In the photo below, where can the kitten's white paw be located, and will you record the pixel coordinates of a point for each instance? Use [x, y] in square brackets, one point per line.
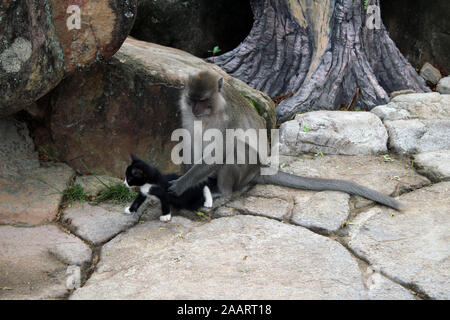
[165, 218]
[127, 210]
[208, 197]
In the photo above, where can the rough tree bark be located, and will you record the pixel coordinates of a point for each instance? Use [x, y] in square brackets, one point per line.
[320, 51]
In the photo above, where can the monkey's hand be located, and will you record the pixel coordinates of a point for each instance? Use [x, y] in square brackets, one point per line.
[175, 187]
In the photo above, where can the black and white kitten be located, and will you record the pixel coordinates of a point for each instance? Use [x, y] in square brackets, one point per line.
[151, 181]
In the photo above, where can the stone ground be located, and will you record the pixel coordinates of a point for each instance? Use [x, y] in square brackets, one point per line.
[267, 242]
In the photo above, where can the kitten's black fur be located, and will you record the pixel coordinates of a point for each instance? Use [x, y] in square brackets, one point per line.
[139, 173]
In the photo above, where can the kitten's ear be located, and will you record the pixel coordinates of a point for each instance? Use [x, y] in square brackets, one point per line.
[133, 157]
[137, 172]
[220, 84]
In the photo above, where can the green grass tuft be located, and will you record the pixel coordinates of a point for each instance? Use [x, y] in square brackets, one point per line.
[117, 193]
[74, 193]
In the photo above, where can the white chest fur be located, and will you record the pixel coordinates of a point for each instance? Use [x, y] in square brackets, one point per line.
[145, 189]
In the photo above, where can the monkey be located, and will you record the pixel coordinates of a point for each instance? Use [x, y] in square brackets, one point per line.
[206, 98]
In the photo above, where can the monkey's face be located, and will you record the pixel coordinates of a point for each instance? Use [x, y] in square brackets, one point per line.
[201, 93]
[200, 105]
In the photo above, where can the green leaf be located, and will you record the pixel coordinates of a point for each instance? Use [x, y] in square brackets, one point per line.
[305, 128]
[200, 214]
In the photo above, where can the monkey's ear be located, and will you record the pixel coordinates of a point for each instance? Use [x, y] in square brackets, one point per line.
[133, 157]
[220, 83]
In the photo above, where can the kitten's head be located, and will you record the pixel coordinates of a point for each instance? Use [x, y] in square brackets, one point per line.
[138, 173]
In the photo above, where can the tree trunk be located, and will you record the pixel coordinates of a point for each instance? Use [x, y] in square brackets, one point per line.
[321, 51]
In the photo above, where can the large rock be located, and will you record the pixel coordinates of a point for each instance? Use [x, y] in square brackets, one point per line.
[16, 148]
[129, 104]
[333, 132]
[97, 224]
[430, 73]
[252, 258]
[34, 261]
[418, 122]
[42, 42]
[443, 86]
[33, 196]
[434, 165]
[423, 106]
[408, 137]
[412, 247]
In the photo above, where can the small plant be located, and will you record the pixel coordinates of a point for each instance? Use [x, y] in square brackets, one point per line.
[305, 129]
[74, 193]
[215, 50]
[319, 154]
[366, 4]
[117, 193]
[387, 158]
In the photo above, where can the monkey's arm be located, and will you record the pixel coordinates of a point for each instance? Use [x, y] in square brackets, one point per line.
[195, 175]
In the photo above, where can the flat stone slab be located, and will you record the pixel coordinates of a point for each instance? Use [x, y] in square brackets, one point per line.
[434, 165]
[324, 211]
[93, 185]
[33, 197]
[239, 257]
[383, 174]
[272, 208]
[34, 261]
[16, 148]
[409, 137]
[381, 288]
[412, 247]
[97, 224]
[333, 132]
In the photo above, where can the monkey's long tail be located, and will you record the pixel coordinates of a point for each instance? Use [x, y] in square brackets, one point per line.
[319, 184]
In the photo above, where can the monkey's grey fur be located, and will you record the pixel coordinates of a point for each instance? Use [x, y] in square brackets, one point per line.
[208, 99]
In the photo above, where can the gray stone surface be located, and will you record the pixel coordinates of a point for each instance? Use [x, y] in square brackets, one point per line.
[240, 257]
[424, 106]
[412, 247]
[33, 261]
[443, 86]
[272, 208]
[386, 175]
[430, 73]
[33, 196]
[434, 165]
[381, 288]
[91, 184]
[333, 132]
[97, 224]
[323, 211]
[16, 148]
[408, 137]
